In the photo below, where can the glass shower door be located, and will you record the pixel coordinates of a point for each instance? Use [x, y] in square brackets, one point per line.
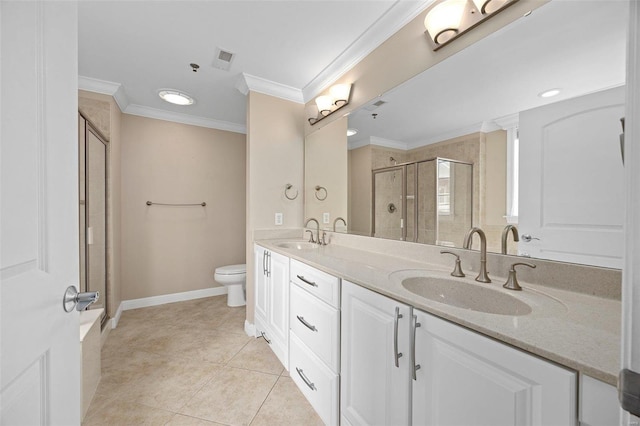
[389, 203]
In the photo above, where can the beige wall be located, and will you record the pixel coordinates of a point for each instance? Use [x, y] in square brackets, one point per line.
[326, 166]
[275, 154]
[359, 220]
[104, 113]
[175, 249]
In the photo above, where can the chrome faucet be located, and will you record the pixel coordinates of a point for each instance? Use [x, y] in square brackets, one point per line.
[483, 276]
[336, 221]
[317, 239]
[505, 234]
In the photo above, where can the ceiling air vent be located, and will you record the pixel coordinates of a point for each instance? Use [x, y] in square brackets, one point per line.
[223, 59]
[375, 105]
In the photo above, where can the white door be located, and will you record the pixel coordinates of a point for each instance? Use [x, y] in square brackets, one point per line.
[373, 390]
[467, 379]
[40, 367]
[572, 180]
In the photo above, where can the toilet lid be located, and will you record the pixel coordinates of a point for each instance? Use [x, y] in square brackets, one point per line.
[232, 269]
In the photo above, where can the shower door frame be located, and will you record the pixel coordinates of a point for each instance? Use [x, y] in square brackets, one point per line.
[403, 167]
[91, 128]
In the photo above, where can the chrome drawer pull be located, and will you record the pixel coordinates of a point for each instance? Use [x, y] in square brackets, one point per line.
[397, 355]
[311, 283]
[305, 380]
[306, 324]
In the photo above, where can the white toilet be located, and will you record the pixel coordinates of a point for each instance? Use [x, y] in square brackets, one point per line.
[233, 277]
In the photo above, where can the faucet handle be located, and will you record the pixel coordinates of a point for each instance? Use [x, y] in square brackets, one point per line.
[311, 239]
[323, 240]
[512, 281]
[457, 269]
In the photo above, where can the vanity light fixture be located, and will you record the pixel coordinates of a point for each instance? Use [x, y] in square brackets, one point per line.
[326, 105]
[175, 97]
[449, 19]
[549, 93]
[351, 132]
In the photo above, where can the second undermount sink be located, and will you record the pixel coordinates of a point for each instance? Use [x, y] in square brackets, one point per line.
[298, 245]
[471, 296]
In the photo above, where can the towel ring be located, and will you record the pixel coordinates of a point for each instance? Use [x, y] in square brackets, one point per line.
[286, 192]
[321, 188]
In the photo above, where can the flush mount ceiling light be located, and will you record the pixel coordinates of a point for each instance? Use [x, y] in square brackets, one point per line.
[449, 19]
[326, 105]
[175, 97]
[351, 132]
[549, 93]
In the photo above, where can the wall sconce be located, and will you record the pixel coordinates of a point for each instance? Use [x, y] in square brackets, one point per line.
[449, 19]
[328, 104]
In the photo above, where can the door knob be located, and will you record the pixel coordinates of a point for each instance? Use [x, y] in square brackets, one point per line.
[73, 299]
[527, 238]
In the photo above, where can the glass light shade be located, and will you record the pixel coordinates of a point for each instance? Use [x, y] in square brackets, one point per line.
[443, 21]
[487, 7]
[176, 97]
[324, 104]
[340, 93]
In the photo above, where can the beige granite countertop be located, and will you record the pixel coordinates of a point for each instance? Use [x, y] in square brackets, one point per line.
[577, 330]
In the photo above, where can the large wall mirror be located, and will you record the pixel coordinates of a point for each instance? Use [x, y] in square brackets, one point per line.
[477, 140]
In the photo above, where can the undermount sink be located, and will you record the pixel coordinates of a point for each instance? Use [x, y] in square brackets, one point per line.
[460, 294]
[298, 245]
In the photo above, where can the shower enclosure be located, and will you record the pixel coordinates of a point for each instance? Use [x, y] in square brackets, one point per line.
[92, 161]
[427, 201]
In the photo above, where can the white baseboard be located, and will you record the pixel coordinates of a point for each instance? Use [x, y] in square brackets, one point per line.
[249, 328]
[174, 297]
[114, 320]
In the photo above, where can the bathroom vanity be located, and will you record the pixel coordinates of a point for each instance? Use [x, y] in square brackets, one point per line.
[485, 355]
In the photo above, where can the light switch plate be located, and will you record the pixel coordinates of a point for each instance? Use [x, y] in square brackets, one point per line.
[325, 217]
[279, 218]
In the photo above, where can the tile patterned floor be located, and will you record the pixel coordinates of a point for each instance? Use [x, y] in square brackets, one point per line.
[191, 363]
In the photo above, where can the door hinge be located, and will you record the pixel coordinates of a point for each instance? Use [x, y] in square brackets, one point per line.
[629, 391]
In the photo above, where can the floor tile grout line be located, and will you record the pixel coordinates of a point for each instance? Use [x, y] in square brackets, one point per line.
[263, 402]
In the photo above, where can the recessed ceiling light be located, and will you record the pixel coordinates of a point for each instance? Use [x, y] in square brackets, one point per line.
[549, 93]
[176, 97]
[351, 132]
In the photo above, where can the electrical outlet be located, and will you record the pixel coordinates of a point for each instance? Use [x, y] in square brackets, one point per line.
[279, 218]
[325, 217]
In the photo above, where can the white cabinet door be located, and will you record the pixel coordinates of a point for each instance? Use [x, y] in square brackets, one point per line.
[467, 379]
[278, 306]
[39, 347]
[373, 390]
[260, 286]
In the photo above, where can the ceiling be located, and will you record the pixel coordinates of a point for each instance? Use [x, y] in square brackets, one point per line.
[292, 49]
[578, 46]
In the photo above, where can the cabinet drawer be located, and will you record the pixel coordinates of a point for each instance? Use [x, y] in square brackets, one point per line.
[318, 283]
[318, 384]
[317, 325]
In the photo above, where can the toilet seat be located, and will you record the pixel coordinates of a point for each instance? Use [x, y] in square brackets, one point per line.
[232, 269]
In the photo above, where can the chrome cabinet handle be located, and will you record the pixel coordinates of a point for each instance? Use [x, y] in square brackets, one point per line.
[264, 262]
[311, 283]
[414, 325]
[268, 264]
[527, 238]
[306, 324]
[305, 380]
[397, 355]
[80, 301]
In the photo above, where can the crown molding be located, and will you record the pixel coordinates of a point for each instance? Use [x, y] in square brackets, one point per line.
[388, 143]
[247, 82]
[397, 16]
[106, 88]
[508, 121]
[178, 117]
